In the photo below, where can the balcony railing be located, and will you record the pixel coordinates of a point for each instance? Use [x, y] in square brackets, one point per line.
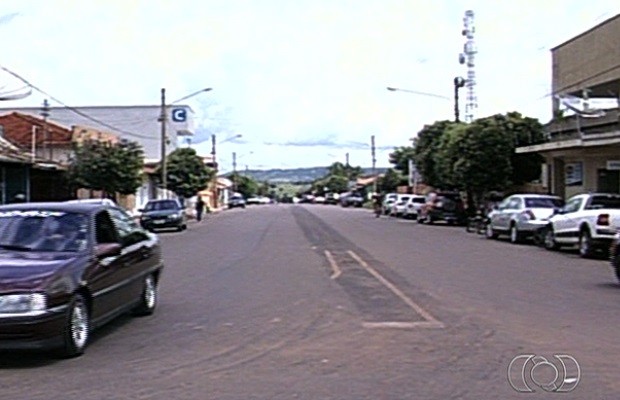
[574, 127]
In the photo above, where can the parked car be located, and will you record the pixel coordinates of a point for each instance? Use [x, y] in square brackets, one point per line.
[107, 202]
[521, 216]
[443, 206]
[163, 214]
[388, 200]
[68, 268]
[236, 201]
[399, 206]
[352, 200]
[587, 220]
[415, 203]
[253, 200]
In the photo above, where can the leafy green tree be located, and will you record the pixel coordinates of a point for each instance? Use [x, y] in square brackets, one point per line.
[425, 147]
[187, 173]
[109, 167]
[400, 158]
[475, 158]
[243, 184]
[390, 181]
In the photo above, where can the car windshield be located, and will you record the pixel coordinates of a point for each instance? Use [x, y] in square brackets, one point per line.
[43, 230]
[543, 202]
[418, 200]
[161, 205]
[599, 202]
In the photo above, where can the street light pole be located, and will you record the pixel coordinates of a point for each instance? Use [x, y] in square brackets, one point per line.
[215, 194]
[458, 83]
[162, 119]
[234, 155]
[374, 161]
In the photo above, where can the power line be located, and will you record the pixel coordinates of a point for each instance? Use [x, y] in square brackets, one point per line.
[78, 112]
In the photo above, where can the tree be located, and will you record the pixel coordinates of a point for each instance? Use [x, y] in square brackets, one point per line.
[400, 158]
[187, 173]
[109, 167]
[245, 185]
[475, 158]
[390, 181]
[425, 147]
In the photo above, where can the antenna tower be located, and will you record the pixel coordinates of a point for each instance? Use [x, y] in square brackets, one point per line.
[467, 57]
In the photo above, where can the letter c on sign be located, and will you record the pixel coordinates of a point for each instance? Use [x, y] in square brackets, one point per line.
[179, 115]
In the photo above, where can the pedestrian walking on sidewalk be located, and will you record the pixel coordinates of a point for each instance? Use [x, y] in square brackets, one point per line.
[200, 207]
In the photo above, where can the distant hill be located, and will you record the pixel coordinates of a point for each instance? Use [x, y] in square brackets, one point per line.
[295, 175]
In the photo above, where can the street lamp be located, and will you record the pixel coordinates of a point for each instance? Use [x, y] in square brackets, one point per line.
[438, 96]
[213, 154]
[163, 119]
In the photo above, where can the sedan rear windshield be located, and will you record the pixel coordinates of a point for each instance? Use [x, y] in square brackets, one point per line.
[43, 230]
[543, 202]
[598, 202]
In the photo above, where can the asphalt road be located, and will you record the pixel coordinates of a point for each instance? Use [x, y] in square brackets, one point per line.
[320, 302]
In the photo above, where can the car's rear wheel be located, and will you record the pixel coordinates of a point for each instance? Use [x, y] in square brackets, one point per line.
[77, 328]
[586, 249]
[148, 297]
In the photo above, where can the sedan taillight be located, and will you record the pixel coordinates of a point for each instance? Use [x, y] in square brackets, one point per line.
[603, 219]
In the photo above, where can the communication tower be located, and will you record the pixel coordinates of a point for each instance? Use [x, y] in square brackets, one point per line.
[467, 57]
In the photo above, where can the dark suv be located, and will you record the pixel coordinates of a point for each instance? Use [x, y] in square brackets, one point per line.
[445, 206]
[163, 214]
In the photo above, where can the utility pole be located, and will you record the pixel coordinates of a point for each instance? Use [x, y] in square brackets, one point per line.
[234, 155]
[374, 161]
[214, 183]
[347, 158]
[162, 119]
[45, 112]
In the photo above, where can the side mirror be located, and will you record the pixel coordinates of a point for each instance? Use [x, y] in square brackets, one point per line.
[141, 210]
[103, 250]
[557, 211]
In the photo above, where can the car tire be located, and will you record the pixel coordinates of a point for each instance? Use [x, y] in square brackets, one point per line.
[148, 297]
[615, 262]
[515, 236]
[549, 239]
[76, 332]
[489, 233]
[586, 249]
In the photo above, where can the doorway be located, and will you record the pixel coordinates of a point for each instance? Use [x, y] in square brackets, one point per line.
[608, 181]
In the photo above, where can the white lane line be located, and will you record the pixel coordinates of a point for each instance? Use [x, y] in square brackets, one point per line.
[402, 325]
[428, 317]
[337, 272]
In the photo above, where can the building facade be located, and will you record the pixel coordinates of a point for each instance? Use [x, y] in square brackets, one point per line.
[141, 124]
[136, 123]
[583, 152]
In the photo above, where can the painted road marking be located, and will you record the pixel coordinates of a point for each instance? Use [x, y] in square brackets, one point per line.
[402, 325]
[337, 271]
[430, 320]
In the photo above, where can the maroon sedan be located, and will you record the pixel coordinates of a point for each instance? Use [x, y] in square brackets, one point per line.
[68, 268]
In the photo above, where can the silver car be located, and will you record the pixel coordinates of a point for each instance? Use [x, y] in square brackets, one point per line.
[521, 215]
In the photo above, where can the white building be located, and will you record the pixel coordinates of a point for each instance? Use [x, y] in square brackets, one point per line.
[141, 124]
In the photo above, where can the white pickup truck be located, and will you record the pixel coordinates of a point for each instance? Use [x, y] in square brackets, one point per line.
[588, 220]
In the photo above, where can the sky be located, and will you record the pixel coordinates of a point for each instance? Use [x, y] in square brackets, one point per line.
[302, 81]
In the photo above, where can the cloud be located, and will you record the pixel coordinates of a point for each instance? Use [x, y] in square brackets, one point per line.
[8, 18]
